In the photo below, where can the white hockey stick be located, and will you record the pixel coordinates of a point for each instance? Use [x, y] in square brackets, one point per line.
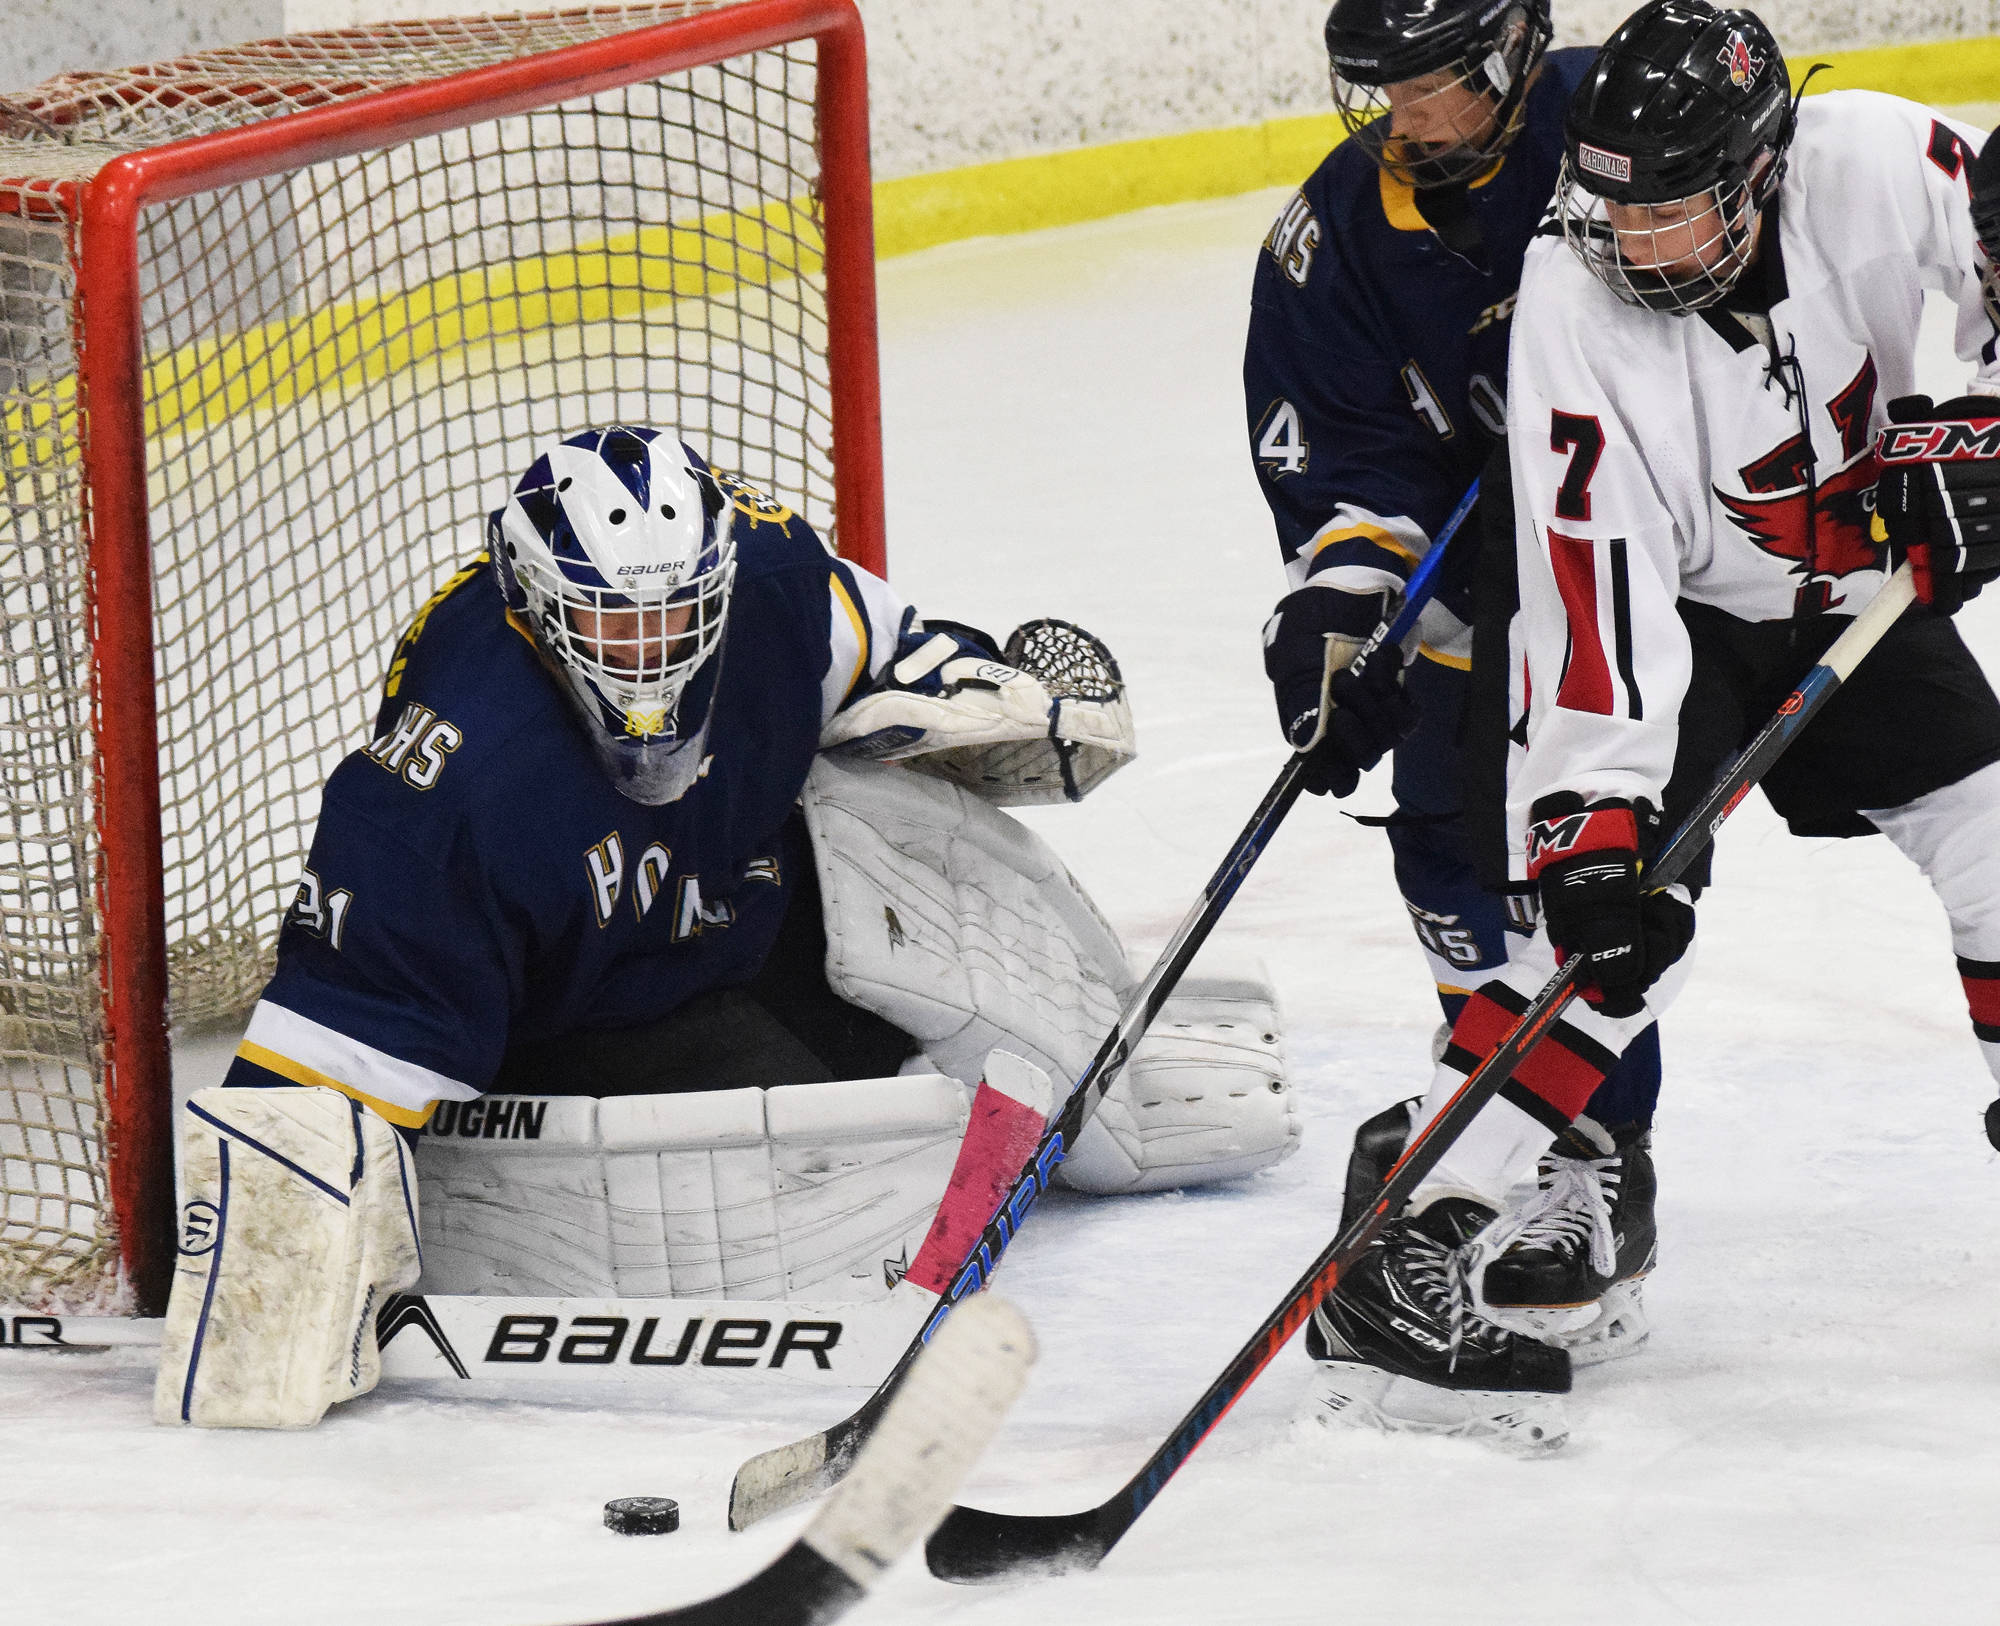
[942, 1417]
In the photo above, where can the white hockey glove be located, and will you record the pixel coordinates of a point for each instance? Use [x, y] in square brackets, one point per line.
[1046, 722]
[298, 1220]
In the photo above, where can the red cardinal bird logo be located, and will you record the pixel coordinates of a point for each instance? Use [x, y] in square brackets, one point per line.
[1830, 539]
[1737, 57]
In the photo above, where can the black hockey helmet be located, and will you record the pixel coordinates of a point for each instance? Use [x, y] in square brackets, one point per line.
[1685, 106]
[1985, 183]
[1488, 47]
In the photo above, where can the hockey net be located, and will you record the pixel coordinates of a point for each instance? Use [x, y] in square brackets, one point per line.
[381, 265]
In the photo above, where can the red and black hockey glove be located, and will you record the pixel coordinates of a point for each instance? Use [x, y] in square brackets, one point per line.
[1938, 500]
[1585, 858]
[1367, 716]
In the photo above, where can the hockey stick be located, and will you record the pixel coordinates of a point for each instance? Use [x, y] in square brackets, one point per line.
[779, 1477]
[932, 1432]
[973, 1545]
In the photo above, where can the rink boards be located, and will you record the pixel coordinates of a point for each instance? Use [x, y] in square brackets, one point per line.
[450, 1338]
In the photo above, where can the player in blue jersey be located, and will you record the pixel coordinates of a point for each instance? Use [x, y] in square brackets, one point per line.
[573, 862]
[1375, 384]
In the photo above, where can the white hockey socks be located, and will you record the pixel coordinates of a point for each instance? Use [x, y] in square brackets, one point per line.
[298, 1218]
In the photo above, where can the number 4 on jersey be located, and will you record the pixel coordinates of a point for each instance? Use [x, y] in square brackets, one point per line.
[1281, 440]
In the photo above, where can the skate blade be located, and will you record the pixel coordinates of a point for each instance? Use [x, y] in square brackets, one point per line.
[1345, 1393]
[1593, 1333]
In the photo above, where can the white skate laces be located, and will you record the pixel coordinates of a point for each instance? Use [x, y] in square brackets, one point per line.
[1570, 1211]
[1443, 1278]
[1569, 1215]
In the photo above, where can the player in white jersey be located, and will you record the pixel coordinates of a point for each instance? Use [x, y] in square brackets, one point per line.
[1720, 321]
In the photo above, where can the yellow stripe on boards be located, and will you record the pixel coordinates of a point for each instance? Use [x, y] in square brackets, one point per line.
[1939, 73]
[350, 346]
[1089, 183]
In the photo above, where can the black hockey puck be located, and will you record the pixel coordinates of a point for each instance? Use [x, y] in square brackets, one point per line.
[642, 1515]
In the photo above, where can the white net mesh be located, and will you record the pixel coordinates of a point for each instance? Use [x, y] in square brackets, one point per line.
[344, 367]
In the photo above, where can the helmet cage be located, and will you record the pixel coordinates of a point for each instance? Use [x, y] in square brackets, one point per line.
[1466, 91]
[638, 662]
[1674, 144]
[1675, 254]
[637, 649]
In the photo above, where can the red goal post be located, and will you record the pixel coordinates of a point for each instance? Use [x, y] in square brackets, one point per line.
[664, 209]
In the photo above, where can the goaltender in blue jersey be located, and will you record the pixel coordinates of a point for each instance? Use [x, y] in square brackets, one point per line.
[630, 825]
[553, 903]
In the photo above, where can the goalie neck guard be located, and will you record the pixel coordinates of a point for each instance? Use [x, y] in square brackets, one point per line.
[615, 548]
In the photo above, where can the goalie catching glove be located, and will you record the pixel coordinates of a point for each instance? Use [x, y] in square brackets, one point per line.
[1585, 858]
[1938, 501]
[1341, 722]
[1045, 721]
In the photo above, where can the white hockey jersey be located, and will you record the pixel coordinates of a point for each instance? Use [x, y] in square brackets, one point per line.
[1714, 458]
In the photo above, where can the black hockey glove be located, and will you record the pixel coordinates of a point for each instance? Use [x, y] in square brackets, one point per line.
[1938, 500]
[1322, 628]
[1585, 858]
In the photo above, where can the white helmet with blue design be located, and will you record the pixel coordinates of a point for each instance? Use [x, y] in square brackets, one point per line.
[615, 547]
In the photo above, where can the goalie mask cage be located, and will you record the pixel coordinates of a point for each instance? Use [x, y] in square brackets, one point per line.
[279, 324]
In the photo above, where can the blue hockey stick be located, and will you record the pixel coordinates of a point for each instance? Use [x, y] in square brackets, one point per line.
[778, 1478]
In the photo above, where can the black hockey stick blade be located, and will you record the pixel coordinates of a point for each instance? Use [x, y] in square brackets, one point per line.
[791, 1473]
[974, 1545]
[942, 1417]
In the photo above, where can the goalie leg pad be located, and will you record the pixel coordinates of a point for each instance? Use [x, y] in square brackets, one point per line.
[299, 1219]
[1204, 1097]
[805, 1191]
[956, 923]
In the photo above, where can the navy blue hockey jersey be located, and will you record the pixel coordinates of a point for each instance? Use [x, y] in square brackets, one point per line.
[1376, 368]
[475, 881]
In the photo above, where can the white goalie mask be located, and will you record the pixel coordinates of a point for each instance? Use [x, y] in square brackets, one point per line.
[615, 547]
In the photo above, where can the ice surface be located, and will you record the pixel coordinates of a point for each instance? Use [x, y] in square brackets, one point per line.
[1811, 1435]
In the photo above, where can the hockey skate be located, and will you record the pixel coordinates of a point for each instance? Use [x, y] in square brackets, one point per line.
[1399, 1346]
[1567, 1266]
